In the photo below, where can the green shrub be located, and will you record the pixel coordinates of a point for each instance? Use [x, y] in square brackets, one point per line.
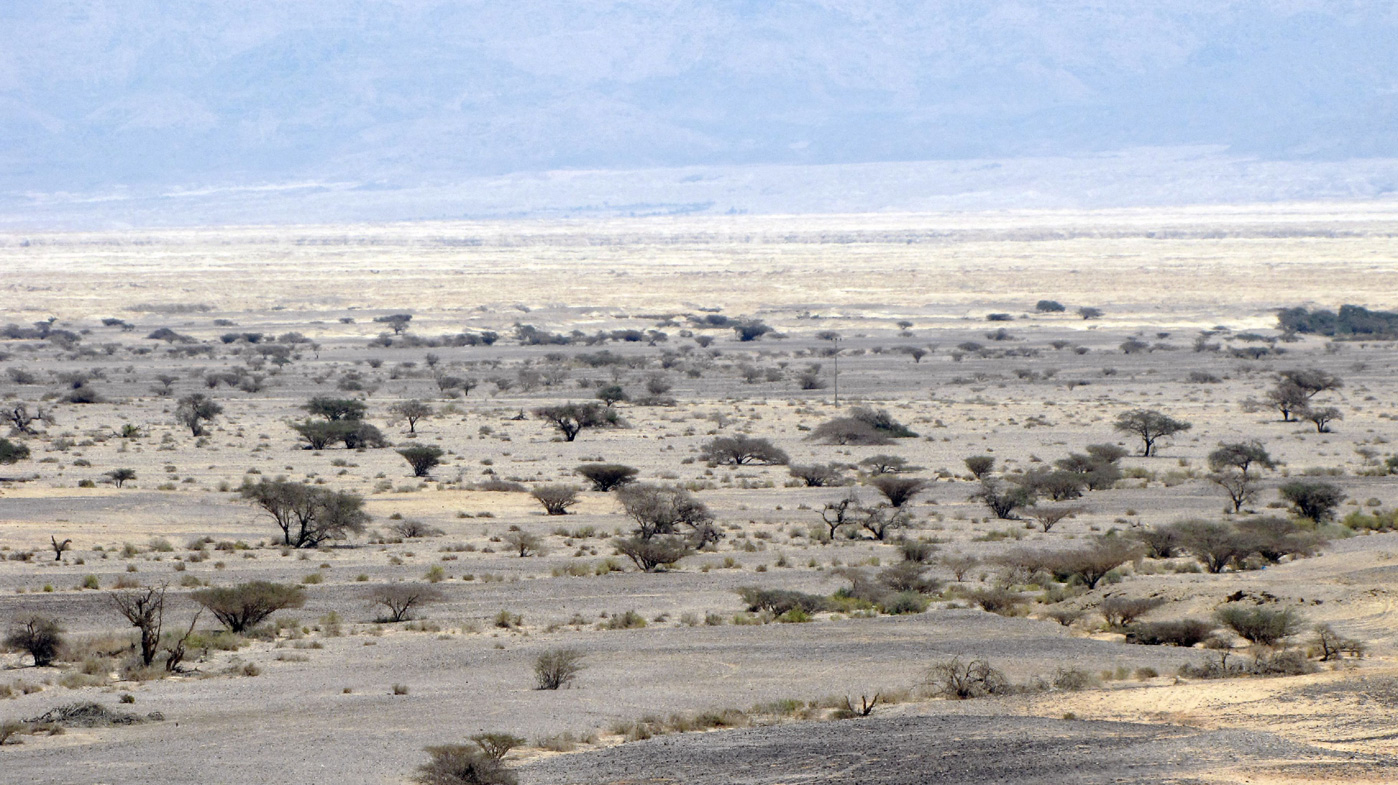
[779, 601]
[998, 601]
[244, 606]
[629, 620]
[39, 636]
[1177, 632]
[556, 668]
[461, 764]
[904, 602]
[1261, 625]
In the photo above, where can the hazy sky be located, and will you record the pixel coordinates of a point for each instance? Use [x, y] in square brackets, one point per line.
[98, 94]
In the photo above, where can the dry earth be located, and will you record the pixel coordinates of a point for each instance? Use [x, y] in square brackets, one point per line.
[322, 706]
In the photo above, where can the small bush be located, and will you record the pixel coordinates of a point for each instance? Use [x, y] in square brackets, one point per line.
[461, 764]
[1178, 632]
[1073, 680]
[959, 679]
[556, 499]
[1119, 612]
[244, 606]
[606, 476]
[904, 602]
[401, 599]
[629, 620]
[556, 668]
[39, 636]
[998, 601]
[779, 601]
[1261, 625]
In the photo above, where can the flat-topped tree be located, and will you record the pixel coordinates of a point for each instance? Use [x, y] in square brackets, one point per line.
[398, 322]
[606, 476]
[741, 451]
[1294, 390]
[336, 408]
[1151, 426]
[1241, 456]
[898, 490]
[1312, 381]
[118, 477]
[401, 599]
[571, 418]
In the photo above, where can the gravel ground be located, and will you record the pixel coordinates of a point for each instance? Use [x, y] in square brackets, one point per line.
[910, 750]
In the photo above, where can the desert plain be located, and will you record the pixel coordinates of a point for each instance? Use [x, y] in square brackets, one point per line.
[934, 320]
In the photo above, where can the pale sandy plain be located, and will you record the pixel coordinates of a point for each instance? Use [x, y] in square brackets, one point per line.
[322, 708]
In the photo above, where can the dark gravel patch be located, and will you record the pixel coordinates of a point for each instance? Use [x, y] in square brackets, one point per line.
[969, 750]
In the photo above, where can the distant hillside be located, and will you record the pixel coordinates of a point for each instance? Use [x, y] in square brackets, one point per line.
[419, 97]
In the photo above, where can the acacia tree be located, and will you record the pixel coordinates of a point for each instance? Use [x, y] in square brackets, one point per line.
[898, 490]
[307, 515]
[881, 520]
[1001, 500]
[1295, 388]
[670, 525]
[1313, 499]
[1322, 417]
[422, 457]
[1092, 563]
[556, 499]
[412, 411]
[818, 475]
[571, 418]
[1048, 516]
[398, 322]
[1286, 398]
[742, 450]
[244, 606]
[980, 465]
[1240, 486]
[612, 394]
[606, 476]
[400, 599]
[336, 408]
[118, 477]
[524, 543]
[194, 410]
[1150, 426]
[1241, 456]
[1312, 381]
[1215, 545]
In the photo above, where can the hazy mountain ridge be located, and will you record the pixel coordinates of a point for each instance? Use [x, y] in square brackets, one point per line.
[421, 97]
